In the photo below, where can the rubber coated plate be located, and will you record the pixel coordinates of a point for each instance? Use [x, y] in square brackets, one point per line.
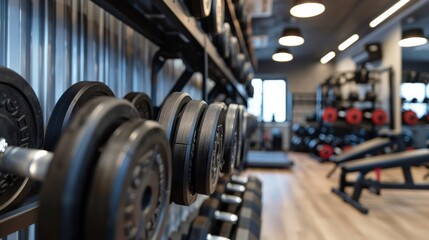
[213, 23]
[410, 118]
[209, 151]
[142, 102]
[234, 50]
[64, 192]
[242, 127]
[183, 150]
[199, 8]
[130, 194]
[223, 41]
[240, 62]
[69, 103]
[231, 138]
[379, 117]
[330, 115]
[21, 124]
[354, 116]
[170, 111]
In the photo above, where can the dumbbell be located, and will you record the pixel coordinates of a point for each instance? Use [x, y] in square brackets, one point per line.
[329, 115]
[371, 96]
[353, 96]
[378, 117]
[199, 8]
[223, 41]
[298, 129]
[234, 50]
[409, 117]
[232, 138]
[142, 102]
[96, 138]
[321, 149]
[200, 230]
[214, 21]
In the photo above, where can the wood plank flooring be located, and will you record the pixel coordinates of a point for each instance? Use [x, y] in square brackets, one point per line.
[298, 204]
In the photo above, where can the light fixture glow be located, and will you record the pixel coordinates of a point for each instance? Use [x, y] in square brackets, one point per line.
[328, 57]
[282, 55]
[413, 38]
[307, 8]
[347, 43]
[291, 37]
[374, 23]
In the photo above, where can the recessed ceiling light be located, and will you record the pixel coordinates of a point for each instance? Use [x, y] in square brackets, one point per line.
[328, 57]
[412, 38]
[282, 55]
[374, 23]
[291, 37]
[307, 8]
[347, 43]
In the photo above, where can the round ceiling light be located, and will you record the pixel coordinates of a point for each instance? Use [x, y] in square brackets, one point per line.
[413, 38]
[291, 37]
[282, 55]
[307, 8]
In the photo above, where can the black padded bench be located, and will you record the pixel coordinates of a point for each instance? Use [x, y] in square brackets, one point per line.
[404, 160]
[362, 150]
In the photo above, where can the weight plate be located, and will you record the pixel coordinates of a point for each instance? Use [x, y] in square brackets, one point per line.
[354, 116]
[130, 193]
[330, 115]
[63, 198]
[223, 41]
[209, 150]
[410, 118]
[142, 102]
[233, 52]
[242, 123]
[170, 111]
[247, 68]
[183, 150]
[21, 124]
[240, 64]
[213, 23]
[231, 138]
[379, 117]
[69, 103]
[199, 8]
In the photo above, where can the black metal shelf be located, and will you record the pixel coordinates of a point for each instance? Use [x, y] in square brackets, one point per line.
[249, 52]
[169, 25]
[18, 218]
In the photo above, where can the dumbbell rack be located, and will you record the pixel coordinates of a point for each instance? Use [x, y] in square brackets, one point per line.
[186, 38]
[196, 50]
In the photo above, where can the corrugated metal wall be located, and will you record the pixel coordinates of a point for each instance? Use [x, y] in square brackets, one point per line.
[56, 43]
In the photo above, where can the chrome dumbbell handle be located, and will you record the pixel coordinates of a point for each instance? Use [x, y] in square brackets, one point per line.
[24, 162]
[225, 216]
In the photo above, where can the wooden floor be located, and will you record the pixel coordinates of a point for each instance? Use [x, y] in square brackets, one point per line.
[298, 204]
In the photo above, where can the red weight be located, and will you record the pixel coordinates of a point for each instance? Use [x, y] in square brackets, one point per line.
[325, 151]
[330, 115]
[354, 116]
[410, 118]
[379, 117]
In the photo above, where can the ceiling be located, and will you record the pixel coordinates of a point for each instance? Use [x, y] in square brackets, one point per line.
[323, 33]
[418, 19]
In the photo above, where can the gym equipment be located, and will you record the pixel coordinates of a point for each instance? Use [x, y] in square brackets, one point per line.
[268, 159]
[234, 50]
[378, 116]
[242, 129]
[353, 96]
[409, 117]
[209, 149]
[21, 125]
[199, 8]
[209, 209]
[321, 149]
[403, 160]
[371, 96]
[200, 229]
[352, 116]
[142, 102]
[223, 40]
[330, 115]
[231, 139]
[298, 129]
[371, 147]
[214, 21]
[69, 103]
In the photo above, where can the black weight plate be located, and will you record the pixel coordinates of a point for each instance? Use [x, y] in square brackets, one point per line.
[21, 124]
[241, 134]
[142, 102]
[69, 103]
[130, 193]
[213, 23]
[200, 228]
[241, 59]
[209, 151]
[199, 8]
[170, 111]
[223, 41]
[234, 51]
[65, 190]
[183, 150]
[231, 138]
[247, 68]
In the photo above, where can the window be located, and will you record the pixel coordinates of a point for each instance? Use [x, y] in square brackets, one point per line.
[269, 100]
[414, 92]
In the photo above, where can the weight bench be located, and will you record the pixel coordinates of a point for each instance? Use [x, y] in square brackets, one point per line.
[369, 147]
[404, 160]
